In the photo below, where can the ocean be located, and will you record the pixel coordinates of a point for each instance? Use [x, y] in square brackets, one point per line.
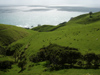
[33, 15]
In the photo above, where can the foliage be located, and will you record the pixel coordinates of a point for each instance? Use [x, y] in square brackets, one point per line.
[5, 65]
[2, 50]
[13, 49]
[58, 56]
[90, 14]
[22, 65]
[92, 60]
[22, 59]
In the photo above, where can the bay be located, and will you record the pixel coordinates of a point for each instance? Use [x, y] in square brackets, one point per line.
[32, 15]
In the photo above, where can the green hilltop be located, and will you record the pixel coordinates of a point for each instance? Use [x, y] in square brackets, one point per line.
[81, 33]
[48, 28]
[9, 34]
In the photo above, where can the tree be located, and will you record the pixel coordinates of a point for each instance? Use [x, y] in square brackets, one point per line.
[39, 25]
[6, 64]
[57, 56]
[73, 56]
[2, 50]
[22, 65]
[31, 26]
[90, 14]
[92, 60]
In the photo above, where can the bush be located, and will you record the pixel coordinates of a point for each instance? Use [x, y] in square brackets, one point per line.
[57, 56]
[92, 60]
[2, 50]
[5, 64]
[11, 50]
[22, 65]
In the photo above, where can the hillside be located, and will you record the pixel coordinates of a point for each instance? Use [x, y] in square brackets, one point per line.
[48, 28]
[9, 34]
[72, 34]
[86, 18]
[81, 33]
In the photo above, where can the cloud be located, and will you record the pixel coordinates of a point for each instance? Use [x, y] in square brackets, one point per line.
[76, 8]
[11, 9]
[89, 3]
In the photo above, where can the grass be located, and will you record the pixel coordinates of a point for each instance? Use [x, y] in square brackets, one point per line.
[48, 28]
[44, 28]
[9, 34]
[85, 38]
[81, 32]
[38, 70]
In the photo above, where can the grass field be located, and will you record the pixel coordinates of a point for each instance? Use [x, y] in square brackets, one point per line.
[81, 32]
[39, 70]
[9, 34]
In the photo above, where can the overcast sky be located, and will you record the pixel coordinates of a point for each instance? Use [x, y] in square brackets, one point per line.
[89, 3]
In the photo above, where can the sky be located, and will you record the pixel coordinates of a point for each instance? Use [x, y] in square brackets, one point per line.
[87, 3]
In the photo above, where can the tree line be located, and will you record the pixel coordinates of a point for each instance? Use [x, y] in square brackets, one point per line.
[59, 57]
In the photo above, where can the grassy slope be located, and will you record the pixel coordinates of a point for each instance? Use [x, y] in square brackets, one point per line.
[82, 36]
[9, 34]
[80, 32]
[44, 28]
[48, 28]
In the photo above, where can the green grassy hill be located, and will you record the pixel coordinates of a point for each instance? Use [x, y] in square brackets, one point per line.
[86, 19]
[9, 34]
[81, 32]
[82, 36]
[48, 28]
[44, 28]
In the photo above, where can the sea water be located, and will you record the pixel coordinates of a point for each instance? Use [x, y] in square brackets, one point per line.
[33, 15]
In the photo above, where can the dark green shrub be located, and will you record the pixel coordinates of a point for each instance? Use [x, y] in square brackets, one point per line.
[57, 56]
[92, 60]
[11, 50]
[2, 50]
[22, 65]
[5, 64]
[73, 56]
[90, 14]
